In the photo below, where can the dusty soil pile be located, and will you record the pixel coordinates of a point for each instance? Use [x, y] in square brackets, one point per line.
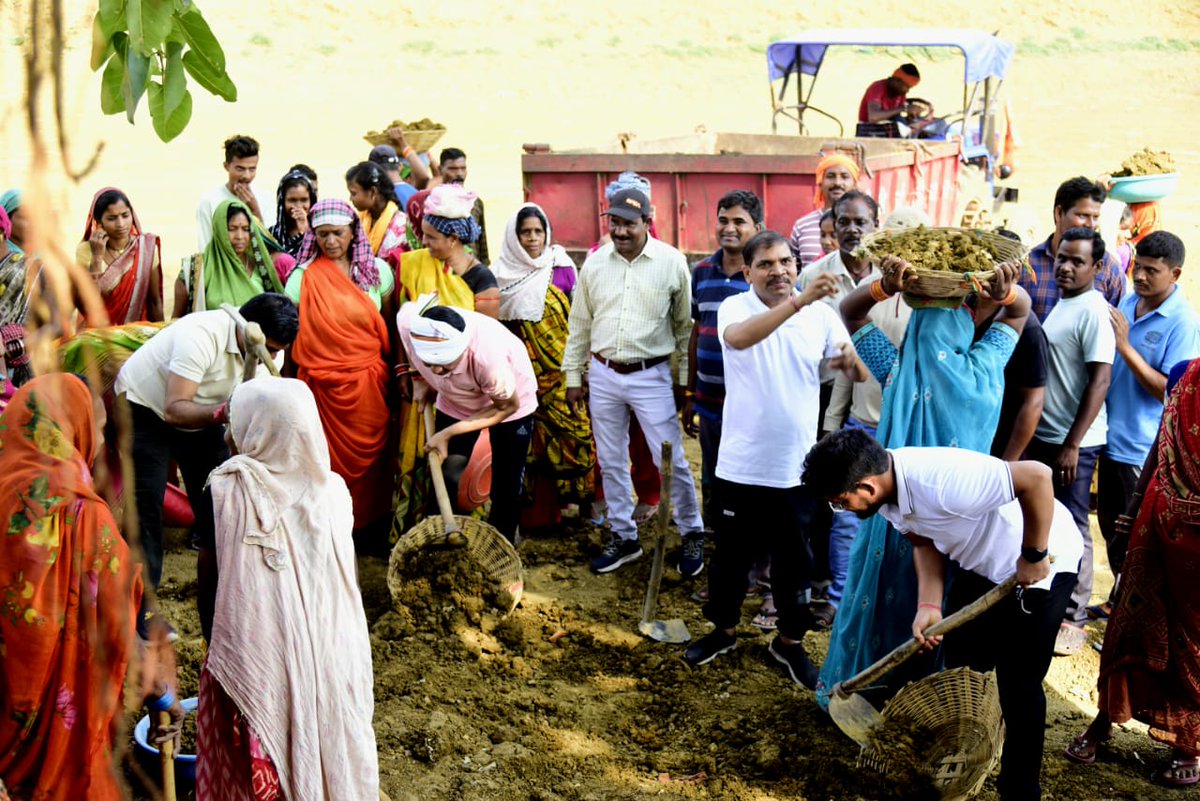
[935, 250]
[439, 589]
[1146, 162]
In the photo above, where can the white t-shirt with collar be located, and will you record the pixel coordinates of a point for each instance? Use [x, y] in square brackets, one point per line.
[965, 503]
[772, 391]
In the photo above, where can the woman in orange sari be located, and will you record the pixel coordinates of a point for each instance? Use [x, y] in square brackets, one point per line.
[70, 599]
[123, 258]
[344, 347]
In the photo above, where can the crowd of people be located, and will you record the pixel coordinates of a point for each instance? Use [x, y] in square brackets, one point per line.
[868, 463]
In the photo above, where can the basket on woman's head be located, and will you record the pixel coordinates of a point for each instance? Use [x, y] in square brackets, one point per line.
[950, 263]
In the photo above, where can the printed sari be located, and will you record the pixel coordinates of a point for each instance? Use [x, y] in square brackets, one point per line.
[70, 595]
[1150, 665]
[388, 234]
[125, 283]
[16, 279]
[340, 353]
[939, 390]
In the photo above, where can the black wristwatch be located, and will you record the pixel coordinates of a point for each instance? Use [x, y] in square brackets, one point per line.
[1034, 555]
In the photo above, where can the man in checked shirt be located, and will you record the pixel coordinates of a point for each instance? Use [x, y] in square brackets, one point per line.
[631, 311]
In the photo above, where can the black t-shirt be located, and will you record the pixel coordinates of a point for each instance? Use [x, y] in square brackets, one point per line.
[480, 278]
[1026, 369]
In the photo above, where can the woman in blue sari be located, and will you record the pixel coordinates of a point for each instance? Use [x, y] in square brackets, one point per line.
[940, 389]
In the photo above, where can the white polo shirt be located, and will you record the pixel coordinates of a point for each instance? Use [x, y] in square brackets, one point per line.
[772, 391]
[965, 503]
[200, 347]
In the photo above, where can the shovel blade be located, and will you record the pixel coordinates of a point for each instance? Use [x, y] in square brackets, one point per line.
[854, 715]
[672, 631]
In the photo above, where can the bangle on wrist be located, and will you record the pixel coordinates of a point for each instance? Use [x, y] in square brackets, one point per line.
[163, 702]
[408, 151]
[1010, 298]
[878, 293]
[930, 606]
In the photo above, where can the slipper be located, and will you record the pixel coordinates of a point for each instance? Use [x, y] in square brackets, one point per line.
[823, 614]
[701, 595]
[767, 618]
[1183, 772]
[1070, 640]
[1082, 750]
[644, 513]
[1100, 611]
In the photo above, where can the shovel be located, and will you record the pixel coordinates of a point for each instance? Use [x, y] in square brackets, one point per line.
[854, 714]
[454, 534]
[672, 631]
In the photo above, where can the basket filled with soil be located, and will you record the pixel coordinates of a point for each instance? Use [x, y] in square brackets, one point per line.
[421, 135]
[950, 263]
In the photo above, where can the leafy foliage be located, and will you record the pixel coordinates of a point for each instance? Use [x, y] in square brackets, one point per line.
[150, 48]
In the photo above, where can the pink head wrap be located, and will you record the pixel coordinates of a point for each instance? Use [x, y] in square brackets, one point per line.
[5, 223]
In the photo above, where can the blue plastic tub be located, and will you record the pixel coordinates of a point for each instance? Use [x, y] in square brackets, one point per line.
[1143, 188]
[185, 764]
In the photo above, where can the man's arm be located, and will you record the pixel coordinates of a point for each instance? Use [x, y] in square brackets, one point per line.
[1099, 377]
[579, 333]
[751, 331]
[930, 565]
[877, 113]
[681, 314]
[1033, 399]
[1033, 484]
[181, 411]
[688, 414]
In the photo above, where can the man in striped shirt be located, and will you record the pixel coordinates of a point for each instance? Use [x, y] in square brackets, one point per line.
[631, 312]
[739, 218]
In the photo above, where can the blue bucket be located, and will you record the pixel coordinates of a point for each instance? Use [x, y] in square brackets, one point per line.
[1143, 188]
[185, 764]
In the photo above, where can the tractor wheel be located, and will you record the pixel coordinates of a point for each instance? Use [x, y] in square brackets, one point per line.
[974, 198]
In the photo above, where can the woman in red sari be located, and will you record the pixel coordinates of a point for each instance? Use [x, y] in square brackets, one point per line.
[344, 347]
[70, 593]
[1150, 665]
[123, 258]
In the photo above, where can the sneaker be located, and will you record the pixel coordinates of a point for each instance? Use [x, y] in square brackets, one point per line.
[616, 553]
[795, 661]
[691, 562]
[709, 647]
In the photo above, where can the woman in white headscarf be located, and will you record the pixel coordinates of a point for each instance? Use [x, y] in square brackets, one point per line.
[286, 691]
[536, 278]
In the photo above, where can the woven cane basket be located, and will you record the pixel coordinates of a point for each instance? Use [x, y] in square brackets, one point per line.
[949, 285]
[420, 140]
[485, 546]
[960, 708]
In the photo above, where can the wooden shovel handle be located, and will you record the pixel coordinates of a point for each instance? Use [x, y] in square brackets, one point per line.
[901, 653]
[167, 754]
[439, 481]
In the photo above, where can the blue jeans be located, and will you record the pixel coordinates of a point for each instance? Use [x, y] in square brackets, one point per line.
[841, 536]
[1078, 499]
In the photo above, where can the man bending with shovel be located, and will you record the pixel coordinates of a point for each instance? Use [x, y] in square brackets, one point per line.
[992, 519]
[773, 341]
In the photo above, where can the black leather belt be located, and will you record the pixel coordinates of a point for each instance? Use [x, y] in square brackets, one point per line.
[629, 367]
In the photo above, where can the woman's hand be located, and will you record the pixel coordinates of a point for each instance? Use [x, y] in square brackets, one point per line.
[898, 274]
[98, 242]
[160, 733]
[300, 218]
[439, 442]
[1007, 274]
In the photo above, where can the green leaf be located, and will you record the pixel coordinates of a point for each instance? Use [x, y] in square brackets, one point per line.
[174, 80]
[137, 73]
[201, 39]
[111, 99]
[215, 81]
[149, 23]
[111, 17]
[177, 33]
[101, 44]
[168, 124]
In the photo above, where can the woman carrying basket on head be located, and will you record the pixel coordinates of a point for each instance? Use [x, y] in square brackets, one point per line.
[482, 378]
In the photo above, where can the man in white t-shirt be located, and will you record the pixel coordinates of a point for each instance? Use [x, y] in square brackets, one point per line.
[773, 343]
[992, 519]
[241, 165]
[1074, 426]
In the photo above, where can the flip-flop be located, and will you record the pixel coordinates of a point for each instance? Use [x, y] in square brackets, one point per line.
[767, 618]
[1182, 773]
[1082, 749]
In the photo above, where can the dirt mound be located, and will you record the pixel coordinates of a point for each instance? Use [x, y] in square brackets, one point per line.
[439, 589]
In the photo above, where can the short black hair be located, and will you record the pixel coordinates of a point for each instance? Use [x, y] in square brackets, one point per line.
[368, 174]
[911, 69]
[1076, 189]
[240, 147]
[450, 154]
[828, 215]
[853, 195]
[445, 314]
[276, 314]
[746, 199]
[840, 461]
[305, 170]
[763, 239]
[106, 199]
[1162, 245]
[1081, 234]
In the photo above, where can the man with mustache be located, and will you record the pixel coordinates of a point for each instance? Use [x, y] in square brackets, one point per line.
[991, 519]
[1074, 425]
[452, 167]
[1156, 328]
[241, 165]
[631, 312]
[773, 341]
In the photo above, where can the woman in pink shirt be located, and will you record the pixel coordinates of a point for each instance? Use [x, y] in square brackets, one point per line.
[482, 378]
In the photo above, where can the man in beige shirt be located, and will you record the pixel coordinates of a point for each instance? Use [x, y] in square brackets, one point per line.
[631, 312]
[177, 385]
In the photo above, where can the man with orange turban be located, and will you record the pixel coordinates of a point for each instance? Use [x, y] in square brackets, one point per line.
[885, 100]
[837, 174]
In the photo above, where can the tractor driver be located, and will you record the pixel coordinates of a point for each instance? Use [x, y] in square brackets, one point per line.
[885, 101]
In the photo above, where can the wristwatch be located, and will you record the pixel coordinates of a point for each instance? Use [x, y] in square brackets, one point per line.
[1034, 555]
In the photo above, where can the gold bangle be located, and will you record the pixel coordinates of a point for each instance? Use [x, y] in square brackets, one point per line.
[408, 151]
[1010, 298]
[878, 292]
